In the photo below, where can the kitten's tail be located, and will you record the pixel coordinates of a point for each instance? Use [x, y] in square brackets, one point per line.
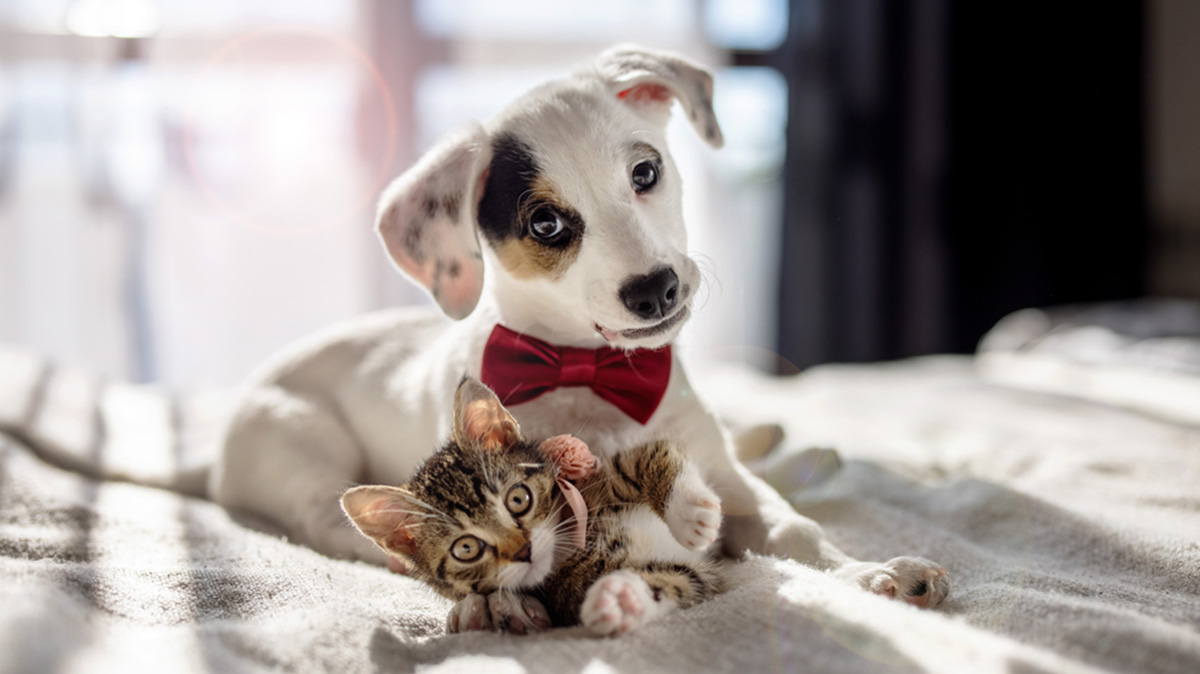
[109, 430]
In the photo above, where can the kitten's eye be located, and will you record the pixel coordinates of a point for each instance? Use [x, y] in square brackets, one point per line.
[546, 225]
[518, 500]
[467, 549]
[644, 176]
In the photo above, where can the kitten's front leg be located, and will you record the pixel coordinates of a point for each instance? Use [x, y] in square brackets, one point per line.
[510, 612]
[659, 475]
[517, 613]
[693, 511]
[470, 615]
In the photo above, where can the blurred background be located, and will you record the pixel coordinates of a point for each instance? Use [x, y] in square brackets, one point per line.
[187, 186]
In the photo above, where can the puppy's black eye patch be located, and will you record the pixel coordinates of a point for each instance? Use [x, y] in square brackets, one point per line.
[511, 176]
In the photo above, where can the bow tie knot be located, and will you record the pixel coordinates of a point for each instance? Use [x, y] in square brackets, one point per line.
[520, 368]
[577, 367]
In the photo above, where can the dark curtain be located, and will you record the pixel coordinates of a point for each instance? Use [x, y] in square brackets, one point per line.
[950, 162]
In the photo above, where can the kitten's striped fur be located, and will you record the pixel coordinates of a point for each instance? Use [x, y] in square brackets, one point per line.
[462, 524]
[619, 494]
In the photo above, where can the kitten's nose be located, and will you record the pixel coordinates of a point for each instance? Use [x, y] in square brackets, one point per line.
[524, 554]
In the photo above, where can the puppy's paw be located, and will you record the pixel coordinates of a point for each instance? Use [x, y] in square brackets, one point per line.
[617, 603]
[913, 580]
[470, 615]
[517, 613]
[693, 513]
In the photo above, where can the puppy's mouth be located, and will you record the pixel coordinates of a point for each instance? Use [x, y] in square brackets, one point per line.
[647, 332]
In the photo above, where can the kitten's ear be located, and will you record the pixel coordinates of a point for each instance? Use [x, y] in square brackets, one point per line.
[385, 515]
[480, 420]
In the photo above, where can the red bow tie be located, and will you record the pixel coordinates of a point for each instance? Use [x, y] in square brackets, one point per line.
[520, 368]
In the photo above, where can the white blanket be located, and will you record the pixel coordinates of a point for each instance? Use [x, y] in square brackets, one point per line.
[1071, 530]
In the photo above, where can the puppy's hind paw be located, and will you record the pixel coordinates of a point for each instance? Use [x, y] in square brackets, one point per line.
[913, 580]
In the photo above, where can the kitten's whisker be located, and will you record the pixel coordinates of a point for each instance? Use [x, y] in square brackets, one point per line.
[416, 513]
[582, 426]
[563, 526]
[428, 507]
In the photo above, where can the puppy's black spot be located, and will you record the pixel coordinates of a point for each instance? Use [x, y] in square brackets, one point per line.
[439, 269]
[430, 207]
[919, 589]
[453, 268]
[512, 174]
[414, 232]
[450, 206]
[434, 206]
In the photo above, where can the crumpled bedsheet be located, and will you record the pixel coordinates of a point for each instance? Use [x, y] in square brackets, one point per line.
[1070, 527]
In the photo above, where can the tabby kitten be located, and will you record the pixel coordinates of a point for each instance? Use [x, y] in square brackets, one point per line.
[485, 521]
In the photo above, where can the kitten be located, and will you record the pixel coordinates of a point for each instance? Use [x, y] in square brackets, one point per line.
[485, 522]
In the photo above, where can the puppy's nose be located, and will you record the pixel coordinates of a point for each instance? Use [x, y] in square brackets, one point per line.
[524, 554]
[652, 295]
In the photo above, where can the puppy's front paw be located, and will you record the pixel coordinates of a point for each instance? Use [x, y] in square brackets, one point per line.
[693, 513]
[470, 615]
[517, 613]
[617, 603]
[913, 580]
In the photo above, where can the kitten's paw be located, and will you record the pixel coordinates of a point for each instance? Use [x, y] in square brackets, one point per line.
[913, 580]
[694, 513]
[470, 615]
[517, 613]
[617, 603]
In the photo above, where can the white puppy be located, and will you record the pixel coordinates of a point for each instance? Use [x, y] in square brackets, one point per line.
[559, 219]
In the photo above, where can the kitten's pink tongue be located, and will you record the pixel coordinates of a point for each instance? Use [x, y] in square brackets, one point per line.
[579, 508]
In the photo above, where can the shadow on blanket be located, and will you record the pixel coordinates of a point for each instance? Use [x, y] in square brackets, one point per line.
[1010, 552]
[112, 574]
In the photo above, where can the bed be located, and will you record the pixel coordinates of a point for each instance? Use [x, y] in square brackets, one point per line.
[1055, 473]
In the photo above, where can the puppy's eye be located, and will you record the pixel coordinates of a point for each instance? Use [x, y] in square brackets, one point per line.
[644, 176]
[467, 549]
[518, 500]
[546, 225]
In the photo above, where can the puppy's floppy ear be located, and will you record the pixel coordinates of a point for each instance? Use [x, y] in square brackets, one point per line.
[480, 420]
[386, 515]
[427, 219]
[648, 80]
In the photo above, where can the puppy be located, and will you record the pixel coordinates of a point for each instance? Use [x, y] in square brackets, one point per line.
[559, 219]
